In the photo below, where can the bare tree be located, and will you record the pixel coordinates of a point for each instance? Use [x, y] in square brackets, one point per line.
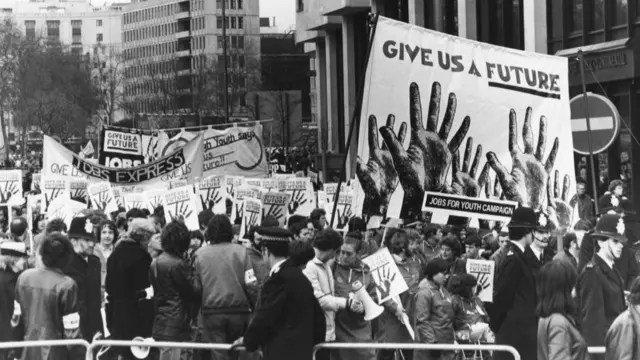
[108, 78]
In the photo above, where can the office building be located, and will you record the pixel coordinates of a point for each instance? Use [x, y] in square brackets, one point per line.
[174, 59]
[78, 24]
[606, 31]
[284, 94]
[335, 34]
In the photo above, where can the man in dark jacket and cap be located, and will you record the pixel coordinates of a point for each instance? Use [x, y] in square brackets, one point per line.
[85, 269]
[288, 321]
[513, 313]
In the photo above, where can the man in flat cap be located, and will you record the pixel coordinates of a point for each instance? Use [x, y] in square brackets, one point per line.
[288, 320]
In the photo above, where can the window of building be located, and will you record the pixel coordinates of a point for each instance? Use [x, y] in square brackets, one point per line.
[30, 26]
[300, 7]
[240, 22]
[576, 15]
[240, 42]
[597, 15]
[99, 37]
[99, 22]
[620, 12]
[53, 30]
[233, 23]
[220, 41]
[240, 5]
[219, 22]
[234, 42]
[218, 4]
[232, 4]
[241, 61]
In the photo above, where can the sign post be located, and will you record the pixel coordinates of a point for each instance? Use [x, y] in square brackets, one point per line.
[606, 121]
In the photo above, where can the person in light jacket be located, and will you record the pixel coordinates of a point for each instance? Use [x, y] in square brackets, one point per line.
[621, 342]
[558, 335]
[319, 273]
[434, 312]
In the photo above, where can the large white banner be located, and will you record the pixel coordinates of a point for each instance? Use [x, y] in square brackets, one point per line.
[184, 163]
[446, 114]
[236, 151]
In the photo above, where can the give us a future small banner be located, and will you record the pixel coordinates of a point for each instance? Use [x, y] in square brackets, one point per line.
[454, 205]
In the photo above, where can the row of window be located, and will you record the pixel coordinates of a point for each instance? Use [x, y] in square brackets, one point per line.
[161, 11]
[230, 4]
[161, 30]
[151, 50]
[618, 10]
[233, 42]
[167, 106]
[232, 22]
[53, 30]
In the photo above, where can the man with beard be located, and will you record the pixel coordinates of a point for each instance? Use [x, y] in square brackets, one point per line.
[513, 314]
[600, 286]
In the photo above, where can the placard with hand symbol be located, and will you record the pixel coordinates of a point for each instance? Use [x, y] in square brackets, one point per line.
[102, 197]
[484, 271]
[276, 204]
[302, 196]
[154, 198]
[241, 193]
[54, 187]
[180, 205]
[251, 216]
[78, 190]
[213, 194]
[386, 275]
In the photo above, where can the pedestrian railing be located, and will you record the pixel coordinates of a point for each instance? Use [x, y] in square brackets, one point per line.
[596, 349]
[41, 343]
[414, 346]
[98, 344]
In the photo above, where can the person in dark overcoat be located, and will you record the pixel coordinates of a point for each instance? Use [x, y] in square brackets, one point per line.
[513, 317]
[600, 286]
[13, 261]
[85, 269]
[288, 320]
[129, 293]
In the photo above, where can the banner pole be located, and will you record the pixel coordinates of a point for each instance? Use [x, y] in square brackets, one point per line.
[586, 115]
[186, 128]
[373, 22]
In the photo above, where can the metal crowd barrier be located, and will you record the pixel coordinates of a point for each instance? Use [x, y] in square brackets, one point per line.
[96, 345]
[413, 346]
[41, 343]
[596, 349]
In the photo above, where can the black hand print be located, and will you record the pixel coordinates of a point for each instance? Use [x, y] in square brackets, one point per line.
[230, 189]
[79, 195]
[385, 279]
[239, 211]
[275, 210]
[54, 194]
[211, 199]
[59, 213]
[250, 222]
[135, 205]
[483, 283]
[7, 191]
[297, 199]
[181, 212]
[343, 218]
[103, 200]
[155, 201]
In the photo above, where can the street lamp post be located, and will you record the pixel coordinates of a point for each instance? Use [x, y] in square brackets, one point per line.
[224, 55]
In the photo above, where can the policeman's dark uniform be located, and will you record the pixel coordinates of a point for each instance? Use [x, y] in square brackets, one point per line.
[513, 315]
[600, 287]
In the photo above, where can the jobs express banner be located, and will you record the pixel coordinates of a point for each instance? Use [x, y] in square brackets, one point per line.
[236, 151]
[125, 148]
[185, 162]
[447, 114]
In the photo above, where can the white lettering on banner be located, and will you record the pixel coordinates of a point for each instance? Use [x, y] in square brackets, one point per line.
[234, 151]
[488, 97]
[121, 163]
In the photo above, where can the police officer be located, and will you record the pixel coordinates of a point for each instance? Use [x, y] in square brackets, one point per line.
[513, 315]
[600, 286]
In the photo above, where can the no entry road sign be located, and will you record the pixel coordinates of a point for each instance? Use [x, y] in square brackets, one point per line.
[604, 120]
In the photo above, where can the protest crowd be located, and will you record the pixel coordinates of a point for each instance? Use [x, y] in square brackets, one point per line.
[422, 254]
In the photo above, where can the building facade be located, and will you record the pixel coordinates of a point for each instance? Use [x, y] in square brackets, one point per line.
[607, 33]
[284, 94]
[174, 60]
[335, 34]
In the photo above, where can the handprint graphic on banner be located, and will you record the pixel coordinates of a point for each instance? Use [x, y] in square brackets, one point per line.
[251, 216]
[276, 204]
[241, 193]
[302, 196]
[344, 211]
[134, 201]
[65, 209]
[180, 205]
[36, 179]
[10, 185]
[213, 194]
[484, 271]
[453, 126]
[78, 190]
[386, 275]
[102, 197]
[54, 187]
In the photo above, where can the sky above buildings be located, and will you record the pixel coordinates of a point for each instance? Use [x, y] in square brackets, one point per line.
[283, 10]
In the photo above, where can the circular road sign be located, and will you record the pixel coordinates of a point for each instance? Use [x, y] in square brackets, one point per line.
[604, 120]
